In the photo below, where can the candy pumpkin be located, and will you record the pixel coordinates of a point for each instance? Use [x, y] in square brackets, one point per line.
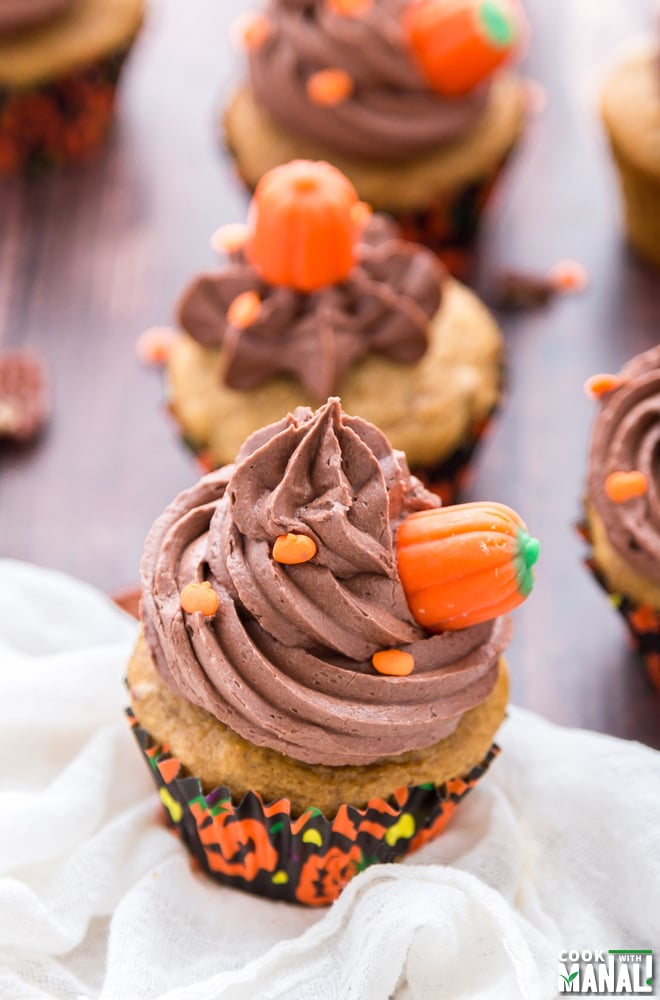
[464, 564]
[303, 232]
[457, 45]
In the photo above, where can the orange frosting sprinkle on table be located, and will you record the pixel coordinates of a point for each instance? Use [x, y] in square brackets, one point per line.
[243, 310]
[199, 597]
[230, 238]
[568, 276]
[600, 385]
[393, 662]
[292, 549]
[329, 87]
[623, 486]
[155, 344]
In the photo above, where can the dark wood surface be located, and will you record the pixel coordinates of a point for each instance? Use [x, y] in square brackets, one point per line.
[91, 258]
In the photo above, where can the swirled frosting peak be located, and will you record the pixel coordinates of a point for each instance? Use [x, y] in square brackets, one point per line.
[626, 439]
[384, 305]
[391, 112]
[286, 659]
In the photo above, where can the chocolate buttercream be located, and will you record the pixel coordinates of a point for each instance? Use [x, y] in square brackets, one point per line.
[392, 113]
[384, 305]
[626, 437]
[286, 661]
[21, 13]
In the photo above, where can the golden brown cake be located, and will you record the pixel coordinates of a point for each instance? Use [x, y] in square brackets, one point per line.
[631, 112]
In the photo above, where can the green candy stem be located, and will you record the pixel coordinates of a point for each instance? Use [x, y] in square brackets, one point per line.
[527, 553]
[499, 27]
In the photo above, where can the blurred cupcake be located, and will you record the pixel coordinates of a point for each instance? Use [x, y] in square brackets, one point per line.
[623, 499]
[320, 675]
[630, 109]
[59, 65]
[319, 297]
[413, 101]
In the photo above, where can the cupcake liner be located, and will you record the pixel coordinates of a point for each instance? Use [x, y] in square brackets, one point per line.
[61, 122]
[643, 620]
[261, 848]
[449, 224]
[641, 196]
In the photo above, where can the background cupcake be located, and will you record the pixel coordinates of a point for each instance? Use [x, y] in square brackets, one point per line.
[623, 499]
[630, 109]
[300, 720]
[409, 99]
[316, 298]
[59, 65]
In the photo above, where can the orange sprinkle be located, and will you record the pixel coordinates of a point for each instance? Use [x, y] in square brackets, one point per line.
[623, 486]
[349, 8]
[251, 30]
[199, 597]
[568, 276]
[393, 662]
[243, 310]
[329, 87]
[205, 462]
[155, 344]
[230, 238]
[600, 385]
[292, 549]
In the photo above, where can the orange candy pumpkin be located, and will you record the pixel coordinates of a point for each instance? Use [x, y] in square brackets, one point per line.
[457, 45]
[302, 229]
[464, 564]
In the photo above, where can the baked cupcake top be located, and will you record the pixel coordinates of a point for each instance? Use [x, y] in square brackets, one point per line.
[623, 484]
[381, 79]
[312, 284]
[20, 13]
[298, 633]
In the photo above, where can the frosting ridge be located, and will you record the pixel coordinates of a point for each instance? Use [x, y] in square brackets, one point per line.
[392, 113]
[286, 661]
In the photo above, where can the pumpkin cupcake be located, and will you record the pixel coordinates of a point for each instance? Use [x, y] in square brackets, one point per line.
[321, 674]
[320, 297]
[59, 65]
[412, 99]
[622, 503]
[630, 108]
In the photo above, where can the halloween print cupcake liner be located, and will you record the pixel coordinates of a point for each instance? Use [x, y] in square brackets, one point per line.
[260, 847]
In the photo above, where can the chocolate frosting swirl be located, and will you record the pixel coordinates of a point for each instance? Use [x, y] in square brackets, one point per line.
[286, 661]
[384, 305]
[21, 13]
[626, 437]
[392, 113]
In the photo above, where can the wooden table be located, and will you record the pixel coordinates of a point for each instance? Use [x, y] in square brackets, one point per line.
[91, 258]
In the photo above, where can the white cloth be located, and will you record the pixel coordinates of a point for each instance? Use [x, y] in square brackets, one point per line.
[557, 848]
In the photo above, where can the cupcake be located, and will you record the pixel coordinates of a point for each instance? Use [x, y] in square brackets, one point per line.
[622, 501]
[59, 65]
[319, 297]
[413, 101]
[320, 673]
[630, 107]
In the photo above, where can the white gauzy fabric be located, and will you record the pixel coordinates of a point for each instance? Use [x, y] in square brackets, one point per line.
[557, 848]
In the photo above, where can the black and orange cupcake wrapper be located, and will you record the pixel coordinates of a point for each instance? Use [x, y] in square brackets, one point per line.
[643, 620]
[262, 848]
[61, 122]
